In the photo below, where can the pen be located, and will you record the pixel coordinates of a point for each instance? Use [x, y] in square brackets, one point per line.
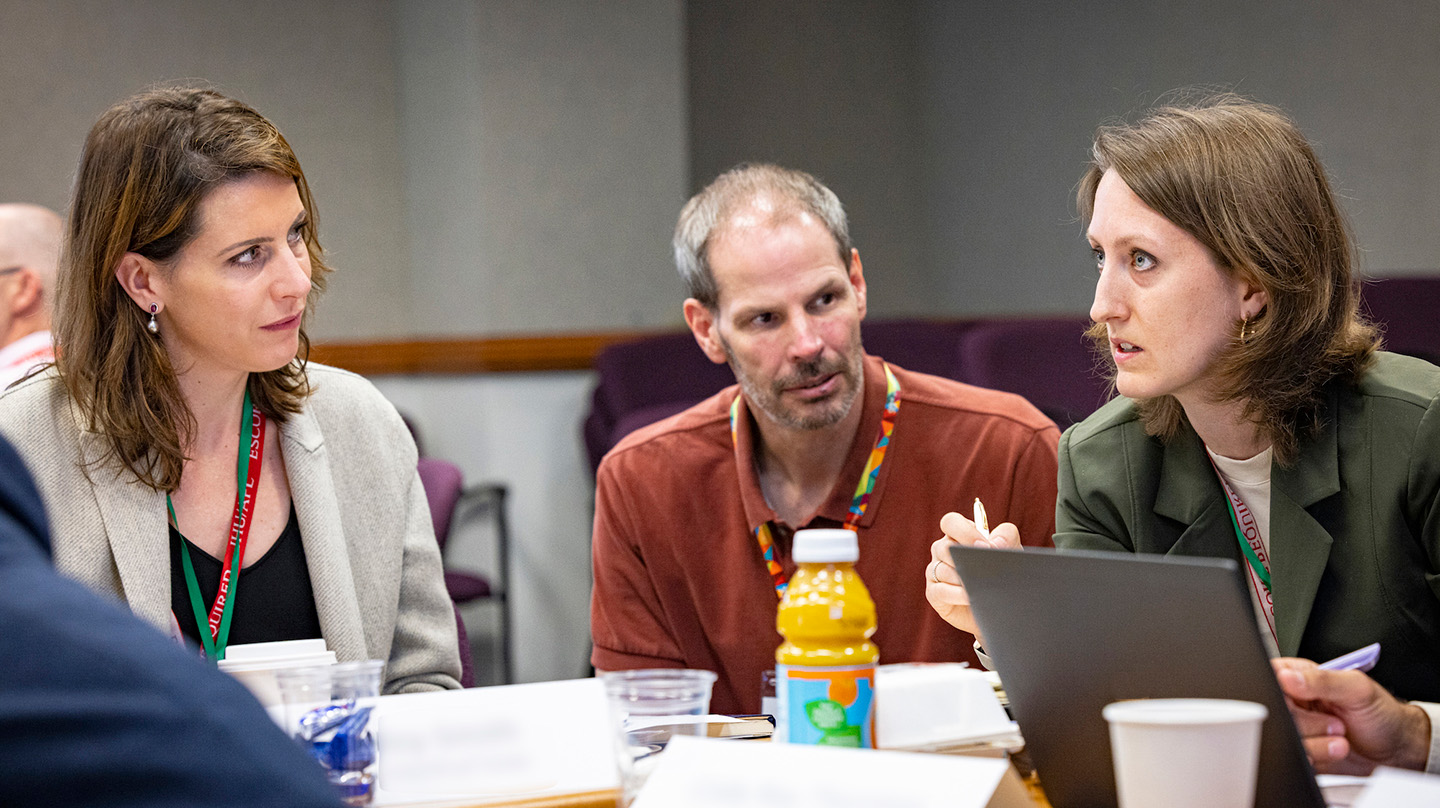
[1359, 660]
[980, 522]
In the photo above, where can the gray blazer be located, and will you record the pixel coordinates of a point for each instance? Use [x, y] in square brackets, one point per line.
[364, 522]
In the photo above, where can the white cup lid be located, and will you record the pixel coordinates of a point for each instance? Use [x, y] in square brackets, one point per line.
[1184, 711]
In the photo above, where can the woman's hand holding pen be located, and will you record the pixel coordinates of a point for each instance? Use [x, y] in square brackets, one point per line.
[943, 587]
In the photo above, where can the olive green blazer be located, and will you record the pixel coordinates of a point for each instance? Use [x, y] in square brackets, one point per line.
[1354, 524]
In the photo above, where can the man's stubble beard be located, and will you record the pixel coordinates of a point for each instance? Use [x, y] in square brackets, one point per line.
[769, 399]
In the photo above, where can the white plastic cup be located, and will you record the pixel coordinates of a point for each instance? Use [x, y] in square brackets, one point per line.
[640, 701]
[354, 686]
[1185, 753]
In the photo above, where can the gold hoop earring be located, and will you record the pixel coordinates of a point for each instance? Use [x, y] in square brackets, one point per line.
[1246, 331]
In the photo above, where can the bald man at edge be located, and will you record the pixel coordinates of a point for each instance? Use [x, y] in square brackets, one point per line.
[29, 257]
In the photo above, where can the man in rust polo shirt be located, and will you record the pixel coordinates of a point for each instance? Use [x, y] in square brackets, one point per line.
[694, 515]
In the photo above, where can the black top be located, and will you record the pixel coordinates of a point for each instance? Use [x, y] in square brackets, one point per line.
[273, 600]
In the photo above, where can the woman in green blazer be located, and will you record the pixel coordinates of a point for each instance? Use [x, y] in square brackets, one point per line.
[1256, 419]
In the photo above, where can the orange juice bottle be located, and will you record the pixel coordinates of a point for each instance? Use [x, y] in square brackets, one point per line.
[825, 669]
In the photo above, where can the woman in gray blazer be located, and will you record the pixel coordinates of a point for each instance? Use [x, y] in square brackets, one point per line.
[1257, 421]
[193, 464]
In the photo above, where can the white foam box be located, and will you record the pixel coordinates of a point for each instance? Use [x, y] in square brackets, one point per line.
[931, 706]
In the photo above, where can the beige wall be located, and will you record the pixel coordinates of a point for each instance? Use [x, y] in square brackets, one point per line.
[323, 71]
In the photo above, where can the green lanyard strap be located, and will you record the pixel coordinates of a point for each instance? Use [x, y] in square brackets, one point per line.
[240, 527]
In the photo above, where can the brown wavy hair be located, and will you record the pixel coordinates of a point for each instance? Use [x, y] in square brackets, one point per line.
[148, 164]
[1239, 177]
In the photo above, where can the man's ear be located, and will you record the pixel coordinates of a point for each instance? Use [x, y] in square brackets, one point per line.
[29, 294]
[701, 320]
[141, 280]
[857, 281]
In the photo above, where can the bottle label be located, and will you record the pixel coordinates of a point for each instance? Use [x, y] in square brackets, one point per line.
[829, 706]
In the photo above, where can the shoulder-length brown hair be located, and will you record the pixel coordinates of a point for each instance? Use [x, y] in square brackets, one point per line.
[1239, 176]
[147, 165]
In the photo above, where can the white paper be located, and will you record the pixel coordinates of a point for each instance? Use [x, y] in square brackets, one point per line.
[714, 773]
[1397, 788]
[496, 743]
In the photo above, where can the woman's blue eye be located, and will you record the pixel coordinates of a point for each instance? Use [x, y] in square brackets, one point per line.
[297, 233]
[1144, 261]
[250, 256]
[1099, 256]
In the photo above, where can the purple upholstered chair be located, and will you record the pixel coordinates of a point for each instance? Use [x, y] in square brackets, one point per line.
[445, 493]
[924, 346]
[1405, 308]
[644, 381]
[1047, 360]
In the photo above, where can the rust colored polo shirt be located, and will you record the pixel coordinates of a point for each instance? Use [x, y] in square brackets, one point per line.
[679, 579]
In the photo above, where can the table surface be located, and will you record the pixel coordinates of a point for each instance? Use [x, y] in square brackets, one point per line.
[471, 708]
[610, 798]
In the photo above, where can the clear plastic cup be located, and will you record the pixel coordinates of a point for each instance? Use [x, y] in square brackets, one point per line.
[641, 701]
[1185, 753]
[328, 710]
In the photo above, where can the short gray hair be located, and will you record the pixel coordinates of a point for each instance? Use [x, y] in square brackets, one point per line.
[708, 212]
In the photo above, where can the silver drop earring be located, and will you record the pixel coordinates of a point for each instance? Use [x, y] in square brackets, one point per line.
[153, 327]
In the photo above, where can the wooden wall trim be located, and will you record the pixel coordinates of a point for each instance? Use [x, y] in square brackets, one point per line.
[473, 355]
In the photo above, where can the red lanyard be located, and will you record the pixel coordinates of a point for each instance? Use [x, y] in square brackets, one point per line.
[858, 503]
[247, 480]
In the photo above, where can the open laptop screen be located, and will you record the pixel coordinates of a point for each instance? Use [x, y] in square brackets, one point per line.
[1071, 632]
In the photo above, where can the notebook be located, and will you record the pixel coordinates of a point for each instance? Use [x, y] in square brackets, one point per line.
[1071, 632]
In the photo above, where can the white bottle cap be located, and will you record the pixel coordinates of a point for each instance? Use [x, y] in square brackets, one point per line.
[825, 546]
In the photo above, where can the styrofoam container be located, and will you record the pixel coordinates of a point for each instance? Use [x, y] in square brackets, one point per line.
[924, 705]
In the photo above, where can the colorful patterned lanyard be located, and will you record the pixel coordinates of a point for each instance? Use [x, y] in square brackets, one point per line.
[863, 489]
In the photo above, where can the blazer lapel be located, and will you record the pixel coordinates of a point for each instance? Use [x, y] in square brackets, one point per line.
[136, 526]
[1300, 545]
[1190, 493]
[312, 488]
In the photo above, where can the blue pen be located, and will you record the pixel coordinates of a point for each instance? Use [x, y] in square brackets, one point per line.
[1359, 660]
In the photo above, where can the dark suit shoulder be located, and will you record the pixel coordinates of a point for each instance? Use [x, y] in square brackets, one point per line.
[1106, 423]
[1402, 379]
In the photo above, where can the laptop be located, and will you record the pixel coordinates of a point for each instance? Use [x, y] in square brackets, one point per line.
[1071, 632]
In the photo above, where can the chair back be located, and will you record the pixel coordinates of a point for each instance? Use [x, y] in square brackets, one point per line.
[443, 483]
[1047, 360]
[1405, 310]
